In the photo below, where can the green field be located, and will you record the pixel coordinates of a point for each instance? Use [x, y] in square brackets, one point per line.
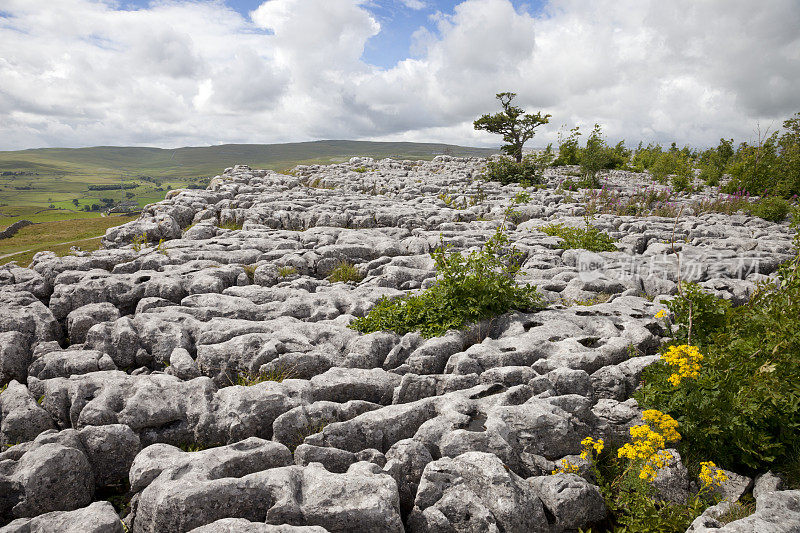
[53, 183]
[52, 186]
[59, 236]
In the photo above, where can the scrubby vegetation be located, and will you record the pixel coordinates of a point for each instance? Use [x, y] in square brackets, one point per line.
[469, 288]
[344, 272]
[740, 405]
[773, 208]
[286, 271]
[588, 238]
[277, 374]
[769, 167]
[725, 394]
[506, 170]
[625, 477]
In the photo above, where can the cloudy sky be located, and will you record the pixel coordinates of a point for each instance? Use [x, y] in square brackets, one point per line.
[197, 72]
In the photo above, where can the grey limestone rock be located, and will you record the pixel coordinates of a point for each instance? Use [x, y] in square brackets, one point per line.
[21, 417]
[15, 356]
[672, 481]
[181, 365]
[241, 525]
[218, 329]
[777, 512]
[405, 462]
[49, 477]
[475, 492]
[81, 319]
[99, 517]
[764, 483]
[66, 363]
[23, 313]
[180, 493]
[111, 450]
[342, 384]
[570, 499]
[333, 459]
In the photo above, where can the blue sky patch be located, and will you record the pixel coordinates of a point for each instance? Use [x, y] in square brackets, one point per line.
[398, 22]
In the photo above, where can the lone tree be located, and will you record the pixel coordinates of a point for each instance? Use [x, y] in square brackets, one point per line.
[513, 124]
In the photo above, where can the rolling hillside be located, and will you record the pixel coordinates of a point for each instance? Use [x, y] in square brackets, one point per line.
[54, 183]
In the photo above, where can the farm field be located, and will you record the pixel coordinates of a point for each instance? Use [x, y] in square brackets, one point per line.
[57, 236]
[49, 184]
[65, 190]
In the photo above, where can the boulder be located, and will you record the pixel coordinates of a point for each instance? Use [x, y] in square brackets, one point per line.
[98, 517]
[475, 492]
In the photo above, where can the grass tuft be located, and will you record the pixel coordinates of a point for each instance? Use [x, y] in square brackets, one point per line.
[345, 272]
[279, 374]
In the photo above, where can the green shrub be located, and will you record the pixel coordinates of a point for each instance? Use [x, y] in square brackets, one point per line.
[682, 182]
[625, 478]
[697, 314]
[712, 162]
[635, 506]
[345, 272]
[673, 163]
[277, 374]
[522, 198]
[596, 156]
[588, 238]
[469, 288]
[568, 148]
[250, 271]
[773, 208]
[645, 157]
[743, 407]
[506, 171]
[231, 225]
[772, 166]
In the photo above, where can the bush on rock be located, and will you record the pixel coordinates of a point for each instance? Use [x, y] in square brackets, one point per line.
[468, 289]
[742, 406]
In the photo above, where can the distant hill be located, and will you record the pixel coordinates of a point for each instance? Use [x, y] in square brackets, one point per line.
[46, 184]
[210, 160]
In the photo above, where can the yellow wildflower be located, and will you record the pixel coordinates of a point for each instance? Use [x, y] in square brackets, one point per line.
[710, 475]
[687, 358]
[589, 444]
[566, 468]
[661, 314]
[656, 462]
[648, 442]
[666, 425]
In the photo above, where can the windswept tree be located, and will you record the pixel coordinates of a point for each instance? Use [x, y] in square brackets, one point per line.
[516, 126]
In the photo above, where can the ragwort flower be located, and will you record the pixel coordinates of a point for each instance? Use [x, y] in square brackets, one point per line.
[687, 360]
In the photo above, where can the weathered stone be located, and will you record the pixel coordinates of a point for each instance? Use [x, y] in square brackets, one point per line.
[98, 517]
[81, 319]
[21, 417]
[573, 501]
[475, 492]
[241, 525]
[15, 356]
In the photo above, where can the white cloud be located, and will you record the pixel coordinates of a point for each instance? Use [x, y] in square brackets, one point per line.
[79, 72]
[415, 4]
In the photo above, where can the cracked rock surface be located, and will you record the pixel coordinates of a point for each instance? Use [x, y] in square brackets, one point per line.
[207, 379]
